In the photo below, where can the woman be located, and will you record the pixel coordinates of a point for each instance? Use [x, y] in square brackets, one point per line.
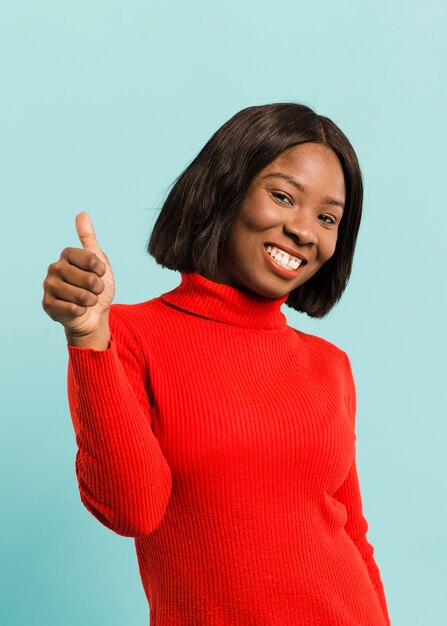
[217, 436]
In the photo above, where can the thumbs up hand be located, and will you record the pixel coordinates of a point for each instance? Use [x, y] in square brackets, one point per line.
[79, 289]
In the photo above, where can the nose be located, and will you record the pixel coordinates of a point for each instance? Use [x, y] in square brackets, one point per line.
[300, 227]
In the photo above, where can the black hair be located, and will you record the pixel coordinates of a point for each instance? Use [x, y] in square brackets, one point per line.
[203, 202]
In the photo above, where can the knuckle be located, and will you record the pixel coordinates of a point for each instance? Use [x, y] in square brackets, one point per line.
[91, 281]
[75, 310]
[47, 307]
[55, 268]
[94, 260]
[83, 298]
[47, 283]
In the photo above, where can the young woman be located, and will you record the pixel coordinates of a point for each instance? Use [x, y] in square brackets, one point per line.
[217, 436]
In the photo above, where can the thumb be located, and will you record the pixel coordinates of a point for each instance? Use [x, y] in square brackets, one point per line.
[86, 233]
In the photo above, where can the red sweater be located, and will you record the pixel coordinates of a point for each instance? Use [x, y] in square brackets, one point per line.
[223, 440]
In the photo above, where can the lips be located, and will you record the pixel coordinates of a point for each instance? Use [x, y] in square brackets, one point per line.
[289, 251]
[281, 270]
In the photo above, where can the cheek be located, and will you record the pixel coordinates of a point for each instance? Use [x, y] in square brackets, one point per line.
[327, 248]
[259, 219]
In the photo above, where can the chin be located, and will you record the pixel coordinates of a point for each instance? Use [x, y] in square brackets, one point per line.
[267, 291]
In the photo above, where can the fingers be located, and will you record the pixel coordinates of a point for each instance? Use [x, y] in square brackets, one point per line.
[80, 284]
[70, 293]
[84, 260]
[69, 283]
[79, 278]
[61, 310]
[86, 233]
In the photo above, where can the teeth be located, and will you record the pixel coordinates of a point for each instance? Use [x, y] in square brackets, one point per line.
[284, 259]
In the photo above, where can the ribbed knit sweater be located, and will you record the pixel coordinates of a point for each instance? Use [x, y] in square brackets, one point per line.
[223, 440]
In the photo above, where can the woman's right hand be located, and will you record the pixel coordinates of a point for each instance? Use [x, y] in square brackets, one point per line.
[79, 289]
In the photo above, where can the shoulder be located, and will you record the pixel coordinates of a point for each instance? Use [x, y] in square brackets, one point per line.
[322, 347]
[130, 321]
[133, 314]
[332, 361]
[326, 356]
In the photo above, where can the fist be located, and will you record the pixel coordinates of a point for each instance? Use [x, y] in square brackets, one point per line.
[79, 287]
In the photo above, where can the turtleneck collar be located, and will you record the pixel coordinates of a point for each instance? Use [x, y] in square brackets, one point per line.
[223, 303]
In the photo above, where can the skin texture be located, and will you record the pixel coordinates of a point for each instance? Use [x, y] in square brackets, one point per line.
[79, 287]
[275, 211]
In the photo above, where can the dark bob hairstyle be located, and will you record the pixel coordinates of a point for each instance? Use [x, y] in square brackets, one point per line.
[203, 202]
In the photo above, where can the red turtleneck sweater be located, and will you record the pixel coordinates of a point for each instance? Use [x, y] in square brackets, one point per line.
[223, 440]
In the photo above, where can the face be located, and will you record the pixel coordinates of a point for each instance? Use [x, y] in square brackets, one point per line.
[288, 223]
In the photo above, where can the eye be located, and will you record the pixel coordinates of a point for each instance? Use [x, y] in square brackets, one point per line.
[328, 217]
[281, 197]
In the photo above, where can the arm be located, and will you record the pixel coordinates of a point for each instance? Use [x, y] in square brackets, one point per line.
[124, 479]
[349, 495]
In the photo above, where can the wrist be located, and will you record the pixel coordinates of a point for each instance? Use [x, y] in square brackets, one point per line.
[96, 340]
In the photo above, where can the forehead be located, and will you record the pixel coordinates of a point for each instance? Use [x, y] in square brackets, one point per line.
[314, 165]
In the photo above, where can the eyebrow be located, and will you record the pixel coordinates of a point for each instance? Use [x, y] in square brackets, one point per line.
[298, 185]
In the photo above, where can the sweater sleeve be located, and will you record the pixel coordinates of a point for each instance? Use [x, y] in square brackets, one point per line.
[349, 494]
[124, 479]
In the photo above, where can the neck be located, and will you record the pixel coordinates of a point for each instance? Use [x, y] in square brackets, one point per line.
[227, 304]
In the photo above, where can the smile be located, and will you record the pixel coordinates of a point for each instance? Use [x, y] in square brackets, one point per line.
[283, 259]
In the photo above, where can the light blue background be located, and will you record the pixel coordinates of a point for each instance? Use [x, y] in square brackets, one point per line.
[103, 104]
